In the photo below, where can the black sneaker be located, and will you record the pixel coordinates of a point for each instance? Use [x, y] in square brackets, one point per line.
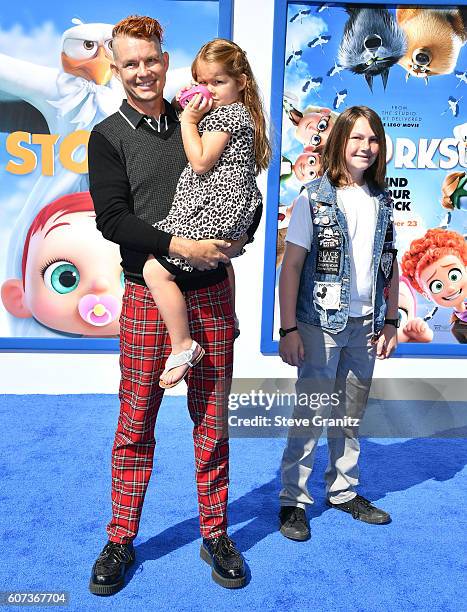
[228, 568]
[363, 510]
[108, 571]
[294, 524]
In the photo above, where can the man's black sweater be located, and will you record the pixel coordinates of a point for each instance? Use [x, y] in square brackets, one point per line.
[135, 162]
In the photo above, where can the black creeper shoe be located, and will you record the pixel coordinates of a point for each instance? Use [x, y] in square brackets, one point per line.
[293, 523]
[228, 568]
[363, 510]
[108, 572]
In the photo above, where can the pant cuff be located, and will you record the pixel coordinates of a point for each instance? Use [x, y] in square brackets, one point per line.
[293, 505]
[342, 499]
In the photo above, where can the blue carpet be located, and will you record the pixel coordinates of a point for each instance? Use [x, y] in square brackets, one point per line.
[55, 466]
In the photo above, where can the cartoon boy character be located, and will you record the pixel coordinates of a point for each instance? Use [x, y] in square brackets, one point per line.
[412, 328]
[313, 125]
[436, 267]
[314, 128]
[72, 280]
[308, 165]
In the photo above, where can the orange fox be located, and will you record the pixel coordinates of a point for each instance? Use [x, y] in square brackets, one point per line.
[434, 39]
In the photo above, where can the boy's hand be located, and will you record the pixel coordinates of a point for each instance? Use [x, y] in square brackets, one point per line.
[387, 342]
[291, 349]
[195, 109]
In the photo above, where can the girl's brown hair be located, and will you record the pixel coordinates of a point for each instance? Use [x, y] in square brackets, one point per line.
[235, 64]
[334, 151]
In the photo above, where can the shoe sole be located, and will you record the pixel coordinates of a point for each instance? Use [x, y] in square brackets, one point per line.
[228, 583]
[108, 589]
[382, 521]
[163, 385]
[297, 537]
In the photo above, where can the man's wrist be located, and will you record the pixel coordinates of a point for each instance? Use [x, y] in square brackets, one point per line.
[178, 247]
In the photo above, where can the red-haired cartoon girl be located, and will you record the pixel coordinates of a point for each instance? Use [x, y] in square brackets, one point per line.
[436, 267]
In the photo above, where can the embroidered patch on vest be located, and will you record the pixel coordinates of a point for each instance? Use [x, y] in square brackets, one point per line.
[329, 238]
[387, 259]
[327, 295]
[328, 261]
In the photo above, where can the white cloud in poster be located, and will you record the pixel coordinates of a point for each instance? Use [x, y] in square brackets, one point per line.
[179, 58]
[41, 45]
[405, 234]
[11, 204]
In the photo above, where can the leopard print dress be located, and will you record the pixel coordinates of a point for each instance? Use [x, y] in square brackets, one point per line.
[220, 203]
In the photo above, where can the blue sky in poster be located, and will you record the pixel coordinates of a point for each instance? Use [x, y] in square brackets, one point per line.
[176, 16]
[425, 105]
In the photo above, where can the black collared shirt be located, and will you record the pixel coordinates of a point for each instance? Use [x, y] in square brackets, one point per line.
[135, 162]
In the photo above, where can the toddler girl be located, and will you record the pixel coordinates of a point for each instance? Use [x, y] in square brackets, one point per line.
[226, 145]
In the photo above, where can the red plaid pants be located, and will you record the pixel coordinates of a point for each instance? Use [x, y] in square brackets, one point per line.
[144, 348]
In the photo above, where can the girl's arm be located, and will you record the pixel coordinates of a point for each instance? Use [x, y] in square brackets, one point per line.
[202, 151]
[291, 346]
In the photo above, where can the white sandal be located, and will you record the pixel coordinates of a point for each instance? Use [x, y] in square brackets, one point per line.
[175, 361]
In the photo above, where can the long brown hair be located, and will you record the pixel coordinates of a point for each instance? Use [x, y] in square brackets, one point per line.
[334, 151]
[235, 64]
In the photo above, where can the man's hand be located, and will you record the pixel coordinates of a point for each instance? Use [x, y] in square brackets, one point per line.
[291, 349]
[387, 342]
[235, 246]
[201, 254]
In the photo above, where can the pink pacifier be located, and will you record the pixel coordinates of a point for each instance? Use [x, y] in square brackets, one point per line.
[190, 93]
[100, 310]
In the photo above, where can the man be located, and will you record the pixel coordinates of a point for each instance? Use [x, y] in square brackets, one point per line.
[136, 157]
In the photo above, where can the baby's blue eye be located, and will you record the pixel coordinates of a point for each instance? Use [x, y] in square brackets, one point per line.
[61, 277]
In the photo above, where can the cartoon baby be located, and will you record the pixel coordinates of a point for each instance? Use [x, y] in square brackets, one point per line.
[436, 267]
[72, 280]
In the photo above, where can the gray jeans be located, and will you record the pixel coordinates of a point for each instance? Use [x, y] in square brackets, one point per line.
[342, 365]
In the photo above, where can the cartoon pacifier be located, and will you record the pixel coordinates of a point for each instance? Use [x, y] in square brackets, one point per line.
[99, 311]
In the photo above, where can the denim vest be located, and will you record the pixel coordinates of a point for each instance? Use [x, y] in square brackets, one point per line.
[324, 293]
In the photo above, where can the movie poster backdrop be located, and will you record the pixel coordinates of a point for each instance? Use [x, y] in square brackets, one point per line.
[61, 281]
[409, 65]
